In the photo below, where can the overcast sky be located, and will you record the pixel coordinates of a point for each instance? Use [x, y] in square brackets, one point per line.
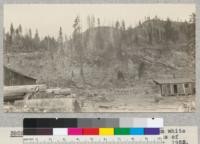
[47, 18]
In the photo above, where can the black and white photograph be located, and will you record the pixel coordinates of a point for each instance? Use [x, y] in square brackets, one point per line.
[99, 58]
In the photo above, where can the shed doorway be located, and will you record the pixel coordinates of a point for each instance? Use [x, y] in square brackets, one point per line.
[175, 89]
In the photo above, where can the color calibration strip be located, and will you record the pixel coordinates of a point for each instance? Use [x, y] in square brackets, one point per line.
[92, 126]
[93, 123]
[92, 131]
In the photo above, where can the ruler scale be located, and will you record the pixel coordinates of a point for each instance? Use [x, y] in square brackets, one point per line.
[169, 135]
[99, 140]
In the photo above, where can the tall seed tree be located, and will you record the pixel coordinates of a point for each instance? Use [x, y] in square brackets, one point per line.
[36, 40]
[20, 29]
[30, 34]
[120, 51]
[12, 31]
[168, 30]
[37, 35]
[98, 22]
[60, 38]
[191, 34]
[77, 42]
[117, 25]
[30, 40]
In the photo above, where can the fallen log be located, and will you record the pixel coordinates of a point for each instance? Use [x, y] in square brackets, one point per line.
[12, 93]
[59, 91]
[12, 90]
[14, 98]
[46, 105]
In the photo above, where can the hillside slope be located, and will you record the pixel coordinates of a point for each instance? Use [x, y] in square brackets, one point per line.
[153, 49]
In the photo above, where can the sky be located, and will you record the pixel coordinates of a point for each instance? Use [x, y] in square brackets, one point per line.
[48, 18]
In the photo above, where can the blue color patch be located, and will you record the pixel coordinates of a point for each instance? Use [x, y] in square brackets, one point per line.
[152, 131]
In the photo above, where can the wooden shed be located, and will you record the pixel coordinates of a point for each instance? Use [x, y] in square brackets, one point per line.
[176, 86]
[13, 77]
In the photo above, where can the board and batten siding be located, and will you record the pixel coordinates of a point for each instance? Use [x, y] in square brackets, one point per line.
[176, 87]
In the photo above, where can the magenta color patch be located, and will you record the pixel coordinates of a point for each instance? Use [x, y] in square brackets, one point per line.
[74, 131]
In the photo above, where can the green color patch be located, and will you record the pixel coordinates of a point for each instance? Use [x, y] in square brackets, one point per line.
[122, 131]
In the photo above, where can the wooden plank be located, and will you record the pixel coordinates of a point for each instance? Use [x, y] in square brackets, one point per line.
[172, 89]
[163, 90]
[168, 90]
[184, 91]
[190, 88]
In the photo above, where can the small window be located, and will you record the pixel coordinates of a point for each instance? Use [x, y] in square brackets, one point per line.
[186, 85]
[175, 89]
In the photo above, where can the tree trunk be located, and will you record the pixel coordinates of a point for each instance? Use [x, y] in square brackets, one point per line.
[82, 74]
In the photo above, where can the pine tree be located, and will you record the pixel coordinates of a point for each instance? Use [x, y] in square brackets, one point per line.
[136, 39]
[168, 29]
[37, 35]
[77, 42]
[12, 30]
[98, 22]
[60, 38]
[30, 33]
[192, 21]
[150, 33]
[90, 21]
[36, 40]
[20, 29]
[99, 39]
[123, 26]
[140, 23]
[117, 25]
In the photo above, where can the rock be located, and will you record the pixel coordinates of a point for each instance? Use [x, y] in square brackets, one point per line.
[157, 98]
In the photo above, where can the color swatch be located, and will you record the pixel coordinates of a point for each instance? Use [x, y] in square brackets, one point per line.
[75, 131]
[122, 131]
[137, 131]
[93, 122]
[106, 131]
[92, 131]
[101, 127]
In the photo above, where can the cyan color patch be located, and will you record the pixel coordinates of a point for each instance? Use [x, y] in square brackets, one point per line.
[137, 131]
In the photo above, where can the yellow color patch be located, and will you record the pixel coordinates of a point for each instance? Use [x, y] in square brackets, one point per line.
[106, 131]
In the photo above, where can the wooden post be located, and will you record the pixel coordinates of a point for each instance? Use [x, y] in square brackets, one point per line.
[168, 89]
[164, 90]
[190, 88]
[172, 89]
[184, 92]
[161, 91]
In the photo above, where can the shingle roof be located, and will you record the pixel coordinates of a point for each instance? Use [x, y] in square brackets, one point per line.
[174, 80]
